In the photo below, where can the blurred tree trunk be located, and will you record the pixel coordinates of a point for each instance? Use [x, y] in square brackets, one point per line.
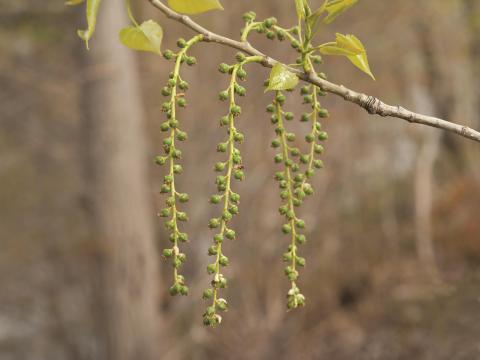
[123, 206]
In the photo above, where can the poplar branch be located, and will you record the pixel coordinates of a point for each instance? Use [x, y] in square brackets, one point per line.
[371, 104]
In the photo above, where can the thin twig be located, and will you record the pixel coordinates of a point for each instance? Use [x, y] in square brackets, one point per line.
[373, 105]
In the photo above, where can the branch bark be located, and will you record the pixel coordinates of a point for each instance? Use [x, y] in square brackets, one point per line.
[371, 104]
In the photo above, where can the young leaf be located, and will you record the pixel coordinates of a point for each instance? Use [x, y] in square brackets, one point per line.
[336, 8]
[92, 11]
[300, 9]
[73, 2]
[194, 6]
[352, 48]
[146, 37]
[281, 78]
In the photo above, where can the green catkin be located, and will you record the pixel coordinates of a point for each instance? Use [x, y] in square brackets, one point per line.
[291, 193]
[231, 169]
[170, 157]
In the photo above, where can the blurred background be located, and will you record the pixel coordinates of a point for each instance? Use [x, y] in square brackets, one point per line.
[394, 234]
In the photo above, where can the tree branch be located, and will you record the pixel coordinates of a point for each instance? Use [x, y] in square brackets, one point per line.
[371, 104]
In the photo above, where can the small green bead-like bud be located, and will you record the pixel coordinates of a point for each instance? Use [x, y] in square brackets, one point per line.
[215, 199]
[212, 250]
[290, 215]
[300, 239]
[183, 237]
[307, 99]
[281, 35]
[318, 149]
[278, 158]
[280, 98]
[295, 44]
[160, 160]
[274, 119]
[279, 175]
[276, 143]
[288, 116]
[239, 137]
[222, 147]
[235, 110]
[184, 290]
[224, 120]
[177, 169]
[183, 198]
[235, 198]
[242, 74]
[290, 137]
[207, 294]
[181, 43]
[305, 117]
[249, 16]
[183, 85]
[323, 113]
[239, 175]
[165, 126]
[174, 289]
[220, 166]
[218, 238]
[170, 201]
[300, 261]
[300, 193]
[323, 75]
[164, 213]
[226, 216]
[233, 209]
[318, 164]
[166, 91]
[182, 102]
[223, 95]
[164, 189]
[211, 268]
[286, 229]
[224, 68]
[173, 123]
[223, 260]
[168, 54]
[182, 257]
[308, 189]
[191, 60]
[221, 304]
[214, 223]
[177, 154]
[289, 163]
[268, 23]
[297, 202]
[283, 209]
[230, 234]
[270, 35]
[300, 224]
[210, 310]
[322, 136]
[270, 108]
[181, 216]
[317, 59]
[304, 159]
[283, 184]
[309, 138]
[167, 253]
[261, 29]
[299, 178]
[240, 90]
[309, 173]
[305, 90]
[240, 57]
[172, 83]
[287, 257]
[182, 136]
[168, 179]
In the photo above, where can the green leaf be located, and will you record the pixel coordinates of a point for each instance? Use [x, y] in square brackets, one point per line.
[299, 6]
[92, 11]
[146, 37]
[281, 78]
[336, 8]
[352, 48]
[74, 2]
[194, 6]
